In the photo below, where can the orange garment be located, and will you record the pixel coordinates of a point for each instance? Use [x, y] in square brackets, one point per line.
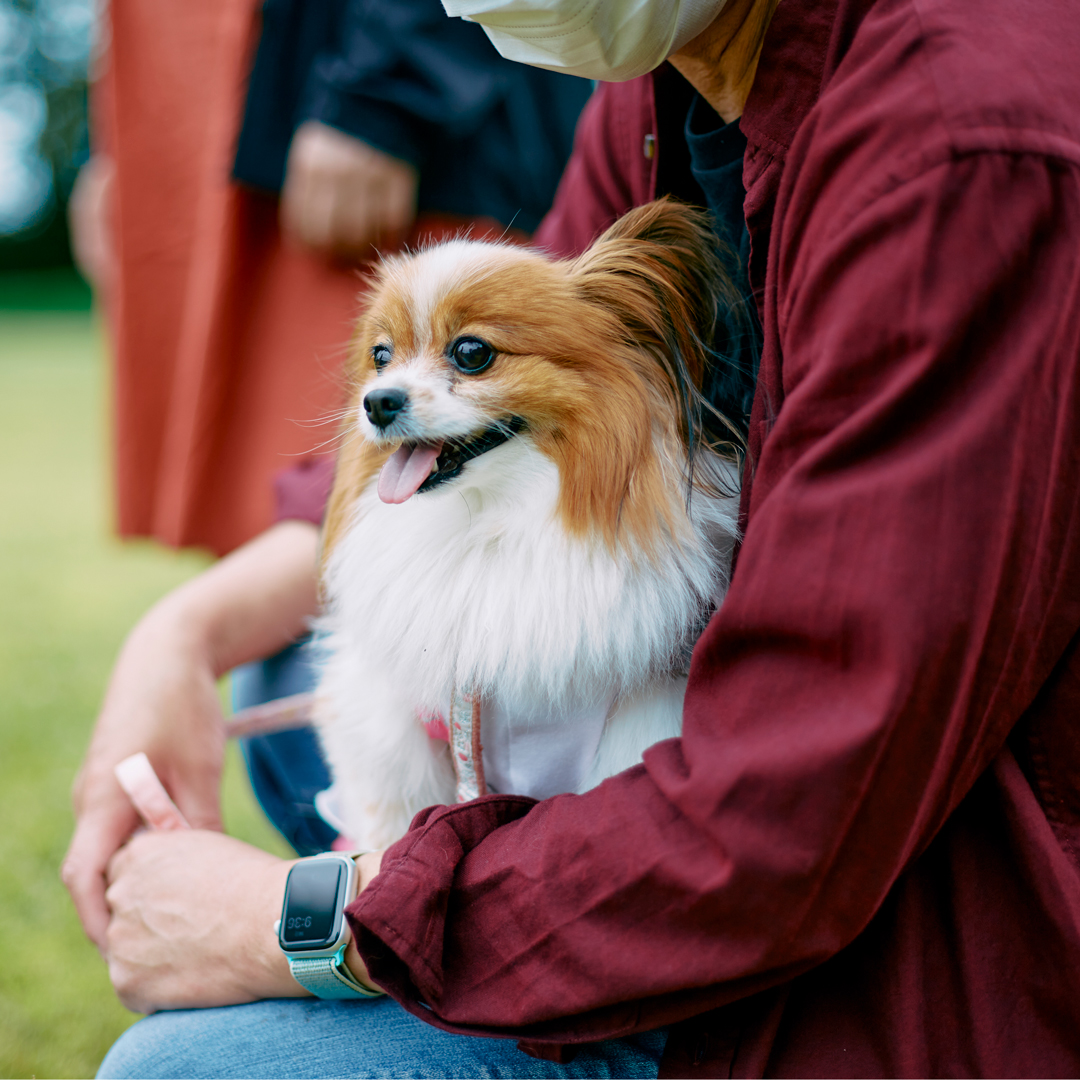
[228, 342]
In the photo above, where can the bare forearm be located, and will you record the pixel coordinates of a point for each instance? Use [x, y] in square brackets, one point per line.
[253, 602]
[162, 697]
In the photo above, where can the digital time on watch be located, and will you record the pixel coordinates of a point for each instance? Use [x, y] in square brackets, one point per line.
[313, 931]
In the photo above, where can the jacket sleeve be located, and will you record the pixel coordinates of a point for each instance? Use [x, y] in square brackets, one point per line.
[402, 70]
[908, 577]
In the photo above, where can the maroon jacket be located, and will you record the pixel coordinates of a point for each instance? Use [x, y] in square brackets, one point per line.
[863, 856]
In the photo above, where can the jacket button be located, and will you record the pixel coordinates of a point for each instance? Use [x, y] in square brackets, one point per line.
[648, 147]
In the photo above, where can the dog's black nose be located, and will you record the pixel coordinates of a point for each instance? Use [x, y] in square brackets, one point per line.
[382, 406]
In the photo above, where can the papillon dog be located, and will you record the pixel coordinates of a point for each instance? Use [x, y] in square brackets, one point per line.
[532, 518]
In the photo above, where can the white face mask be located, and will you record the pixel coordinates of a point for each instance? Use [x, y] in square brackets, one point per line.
[609, 40]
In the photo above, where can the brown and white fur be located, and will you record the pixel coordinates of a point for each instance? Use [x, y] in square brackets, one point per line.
[567, 569]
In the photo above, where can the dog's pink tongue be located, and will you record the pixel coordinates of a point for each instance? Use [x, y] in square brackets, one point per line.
[406, 470]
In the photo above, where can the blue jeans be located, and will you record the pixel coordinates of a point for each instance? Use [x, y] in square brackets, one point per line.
[286, 769]
[302, 1038]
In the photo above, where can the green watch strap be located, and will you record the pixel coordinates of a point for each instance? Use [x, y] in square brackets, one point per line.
[328, 977]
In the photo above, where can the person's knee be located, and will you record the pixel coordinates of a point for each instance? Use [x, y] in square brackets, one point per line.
[186, 1043]
[300, 1037]
[142, 1050]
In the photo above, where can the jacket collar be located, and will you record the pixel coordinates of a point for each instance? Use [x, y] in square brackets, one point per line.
[803, 46]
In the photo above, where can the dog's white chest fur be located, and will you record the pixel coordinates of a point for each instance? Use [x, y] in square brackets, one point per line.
[477, 586]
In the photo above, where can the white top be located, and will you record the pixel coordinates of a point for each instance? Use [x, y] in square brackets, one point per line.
[539, 754]
[526, 752]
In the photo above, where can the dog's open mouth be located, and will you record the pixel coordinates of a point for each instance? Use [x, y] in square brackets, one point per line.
[417, 467]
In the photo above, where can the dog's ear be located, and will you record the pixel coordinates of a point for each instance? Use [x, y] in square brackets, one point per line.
[658, 269]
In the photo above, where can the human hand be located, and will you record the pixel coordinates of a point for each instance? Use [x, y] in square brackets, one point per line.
[193, 922]
[162, 699]
[341, 195]
[89, 221]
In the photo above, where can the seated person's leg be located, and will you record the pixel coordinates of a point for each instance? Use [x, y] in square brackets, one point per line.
[286, 768]
[307, 1038]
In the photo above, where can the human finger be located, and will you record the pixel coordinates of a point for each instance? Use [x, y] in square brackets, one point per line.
[96, 840]
[376, 208]
[136, 776]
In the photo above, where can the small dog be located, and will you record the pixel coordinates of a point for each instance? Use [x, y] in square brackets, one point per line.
[532, 518]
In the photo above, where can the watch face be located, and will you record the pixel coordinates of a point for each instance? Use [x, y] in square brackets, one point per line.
[311, 904]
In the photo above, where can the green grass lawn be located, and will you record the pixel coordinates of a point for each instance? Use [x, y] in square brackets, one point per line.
[68, 593]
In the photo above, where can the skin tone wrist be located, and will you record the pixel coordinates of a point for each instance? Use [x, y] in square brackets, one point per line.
[367, 866]
[245, 608]
[341, 196]
[271, 976]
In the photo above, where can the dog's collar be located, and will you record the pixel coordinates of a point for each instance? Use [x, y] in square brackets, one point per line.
[466, 750]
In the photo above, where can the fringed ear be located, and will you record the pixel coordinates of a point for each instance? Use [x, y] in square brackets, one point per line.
[658, 269]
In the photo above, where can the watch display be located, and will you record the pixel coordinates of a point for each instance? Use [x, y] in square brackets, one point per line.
[313, 932]
[311, 915]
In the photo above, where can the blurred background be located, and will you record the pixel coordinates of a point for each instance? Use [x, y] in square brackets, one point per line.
[69, 591]
[47, 50]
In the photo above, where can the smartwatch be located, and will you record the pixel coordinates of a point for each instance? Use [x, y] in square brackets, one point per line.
[313, 931]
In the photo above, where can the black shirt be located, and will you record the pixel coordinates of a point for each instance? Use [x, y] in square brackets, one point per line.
[716, 160]
[489, 137]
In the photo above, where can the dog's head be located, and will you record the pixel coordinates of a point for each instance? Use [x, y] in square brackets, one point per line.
[599, 359]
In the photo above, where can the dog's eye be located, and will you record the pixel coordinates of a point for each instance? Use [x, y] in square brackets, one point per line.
[471, 355]
[380, 354]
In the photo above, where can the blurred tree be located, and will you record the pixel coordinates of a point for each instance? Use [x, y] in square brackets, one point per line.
[45, 54]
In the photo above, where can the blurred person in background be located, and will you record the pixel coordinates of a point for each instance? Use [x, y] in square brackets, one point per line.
[376, 123]
[860, 858]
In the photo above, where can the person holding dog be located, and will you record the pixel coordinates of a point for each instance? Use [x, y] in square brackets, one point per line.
[861, 856]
